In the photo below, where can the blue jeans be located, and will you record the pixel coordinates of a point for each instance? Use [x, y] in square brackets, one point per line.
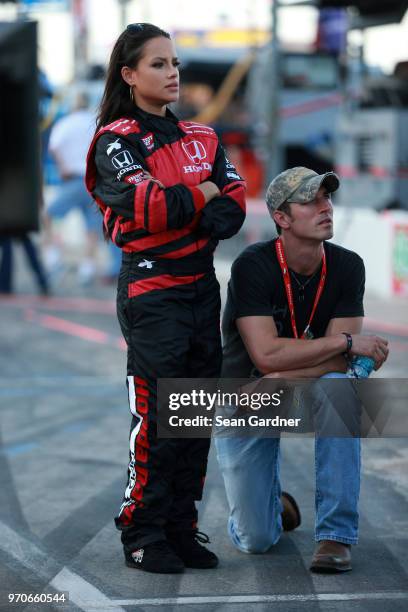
[250, 468]
[72, 194]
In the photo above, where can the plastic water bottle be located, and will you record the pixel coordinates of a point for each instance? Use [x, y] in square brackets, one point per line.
[360, 367]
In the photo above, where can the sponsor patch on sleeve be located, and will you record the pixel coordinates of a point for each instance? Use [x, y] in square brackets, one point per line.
[129, 169]
[134, 178]
[148, 141]
[234, 175]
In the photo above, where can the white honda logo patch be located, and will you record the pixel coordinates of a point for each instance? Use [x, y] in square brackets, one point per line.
[122, 160]
[195, 151]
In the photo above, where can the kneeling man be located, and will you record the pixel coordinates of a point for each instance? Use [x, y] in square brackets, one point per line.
[295, 309]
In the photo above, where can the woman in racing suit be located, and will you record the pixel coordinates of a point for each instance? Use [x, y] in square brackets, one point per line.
[167, 193]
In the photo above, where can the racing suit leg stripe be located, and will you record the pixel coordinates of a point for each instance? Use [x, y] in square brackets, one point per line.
[138, 446]
[163, 281]
[132, 395]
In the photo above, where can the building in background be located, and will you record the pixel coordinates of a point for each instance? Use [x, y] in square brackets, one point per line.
[60, 19]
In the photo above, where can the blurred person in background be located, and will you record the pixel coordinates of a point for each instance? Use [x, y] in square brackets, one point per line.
[168, 195]
[69, 142]
[33, 257]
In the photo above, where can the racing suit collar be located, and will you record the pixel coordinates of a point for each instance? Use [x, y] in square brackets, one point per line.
[167, 124]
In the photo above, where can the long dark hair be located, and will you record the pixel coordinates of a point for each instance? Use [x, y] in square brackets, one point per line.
[127, 51]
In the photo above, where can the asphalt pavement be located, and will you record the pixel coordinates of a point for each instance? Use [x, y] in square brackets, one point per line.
[63, 454]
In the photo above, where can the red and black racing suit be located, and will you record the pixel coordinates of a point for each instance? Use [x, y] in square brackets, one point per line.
[168, 296]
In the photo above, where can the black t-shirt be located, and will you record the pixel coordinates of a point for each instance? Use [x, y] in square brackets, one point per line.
[256, 289]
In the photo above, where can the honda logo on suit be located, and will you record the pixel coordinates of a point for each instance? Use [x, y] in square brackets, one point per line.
[122, 160]
[195, 151]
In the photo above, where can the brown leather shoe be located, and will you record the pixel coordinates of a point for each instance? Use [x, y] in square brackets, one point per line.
[330, 557]
[291, 514]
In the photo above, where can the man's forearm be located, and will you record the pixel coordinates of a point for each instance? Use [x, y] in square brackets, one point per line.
[293, 354]
[335, 364]
[269, 353]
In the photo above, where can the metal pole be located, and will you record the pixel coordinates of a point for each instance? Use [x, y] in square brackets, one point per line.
[79, 15]
[123, 14]
[273, 147]
[22, 11]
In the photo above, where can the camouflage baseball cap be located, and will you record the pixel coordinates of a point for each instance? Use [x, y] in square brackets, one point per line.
[298, 185]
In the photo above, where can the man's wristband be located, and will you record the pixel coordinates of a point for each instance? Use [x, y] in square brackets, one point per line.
[349, 342]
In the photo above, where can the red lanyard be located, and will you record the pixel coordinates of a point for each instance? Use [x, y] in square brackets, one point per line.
[289, 293]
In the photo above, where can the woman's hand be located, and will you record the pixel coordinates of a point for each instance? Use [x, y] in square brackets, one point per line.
[148, 176]
[209, 190]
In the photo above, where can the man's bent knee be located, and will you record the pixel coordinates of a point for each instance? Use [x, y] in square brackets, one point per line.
[256, 544]
[252, 542]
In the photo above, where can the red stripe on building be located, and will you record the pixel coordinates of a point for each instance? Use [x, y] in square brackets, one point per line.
[346, 171]
[311, 106]
[379, 172]
[164, 281]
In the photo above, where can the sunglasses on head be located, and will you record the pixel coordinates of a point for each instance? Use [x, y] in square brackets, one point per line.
[135, 27]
